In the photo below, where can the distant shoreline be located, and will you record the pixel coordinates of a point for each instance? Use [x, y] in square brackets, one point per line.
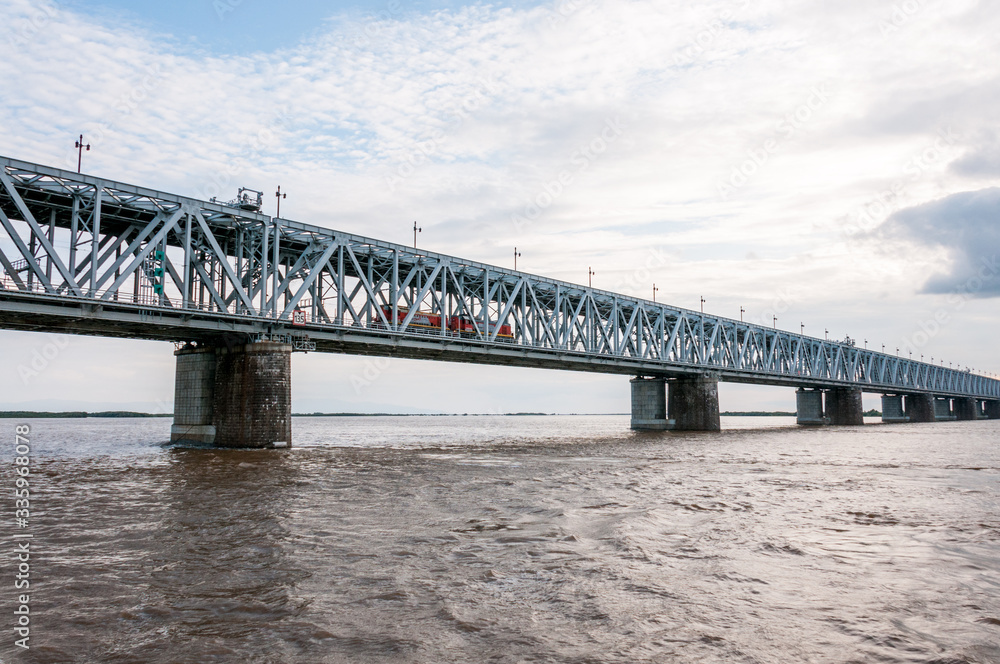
[112, 414]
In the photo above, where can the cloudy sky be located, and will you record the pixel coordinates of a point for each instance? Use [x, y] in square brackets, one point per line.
[832, 164]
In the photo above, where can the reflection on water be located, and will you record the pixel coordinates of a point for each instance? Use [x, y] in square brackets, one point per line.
[511, 539]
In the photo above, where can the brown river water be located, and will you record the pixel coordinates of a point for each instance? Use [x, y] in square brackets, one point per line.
[511, 539]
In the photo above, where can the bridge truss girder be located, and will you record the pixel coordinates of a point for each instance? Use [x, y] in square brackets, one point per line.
[86, 255]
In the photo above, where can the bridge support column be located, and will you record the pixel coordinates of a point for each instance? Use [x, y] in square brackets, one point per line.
[892, 409]
[194, 393]
[809, 407]
[649, 404]
[844, 407]
[966, 408]
[992, 410]
[693, 403]
[253, 395]
[942, 409]
[920, 407]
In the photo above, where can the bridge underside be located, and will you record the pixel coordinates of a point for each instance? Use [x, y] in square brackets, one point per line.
[85, 255]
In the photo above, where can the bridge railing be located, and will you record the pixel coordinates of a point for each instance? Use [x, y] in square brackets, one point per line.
[76, 237]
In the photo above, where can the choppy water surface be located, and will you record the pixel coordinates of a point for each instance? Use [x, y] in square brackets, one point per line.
[522, 539]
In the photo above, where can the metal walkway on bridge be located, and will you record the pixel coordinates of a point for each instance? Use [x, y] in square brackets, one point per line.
[86, 255]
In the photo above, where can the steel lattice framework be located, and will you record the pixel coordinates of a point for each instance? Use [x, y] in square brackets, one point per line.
[85, 255]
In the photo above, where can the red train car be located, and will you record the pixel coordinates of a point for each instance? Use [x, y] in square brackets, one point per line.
[461, 325]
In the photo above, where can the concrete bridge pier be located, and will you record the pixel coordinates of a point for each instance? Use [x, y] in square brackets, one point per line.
[942, 409]
[992, 409]
[693, 403]
[892, 409]
[649, 404]
[920, 407]
[239, 396]
[844, 407]
[194, 394]
[809, 407]
[966, 408]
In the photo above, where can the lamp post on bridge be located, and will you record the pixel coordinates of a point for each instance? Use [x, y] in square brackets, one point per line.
[279, 196]
[742, 311]
[703, 300]
[802, 329]
[775, 322]
[415, 231]
[516, 254]
[654, 292]
[80, 146]
[826, 334]
[590, 277]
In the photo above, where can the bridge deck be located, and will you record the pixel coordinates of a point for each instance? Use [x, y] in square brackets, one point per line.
[86, 255]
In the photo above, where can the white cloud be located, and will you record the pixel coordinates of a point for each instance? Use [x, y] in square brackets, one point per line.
[471, 114]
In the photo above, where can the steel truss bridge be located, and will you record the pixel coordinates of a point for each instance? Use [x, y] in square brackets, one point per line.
[85, 255]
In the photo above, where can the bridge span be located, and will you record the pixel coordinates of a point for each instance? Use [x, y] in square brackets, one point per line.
[239, 291]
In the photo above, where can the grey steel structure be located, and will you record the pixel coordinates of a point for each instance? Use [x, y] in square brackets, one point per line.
[86, 255]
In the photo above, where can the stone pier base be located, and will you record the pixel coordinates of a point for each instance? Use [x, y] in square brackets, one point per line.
[942, 409]
[920, 407]
[234, 397]
[966, 408]
[844, 407]
[809, 407]
[194, 391]
[253, 396]
[693, 403]
[649, 404]
[892, 409]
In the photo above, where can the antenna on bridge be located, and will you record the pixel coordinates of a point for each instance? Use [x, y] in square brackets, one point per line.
[80, 146]
[279, 196]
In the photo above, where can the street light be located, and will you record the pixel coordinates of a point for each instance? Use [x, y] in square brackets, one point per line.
[742, 311]
[590, 277]
[826, 334]
[516, 254]
[415, 231]
[802, 328]
[775, 322]
[279, 196]
[80, 146]
[654, 292]
[703, 300]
